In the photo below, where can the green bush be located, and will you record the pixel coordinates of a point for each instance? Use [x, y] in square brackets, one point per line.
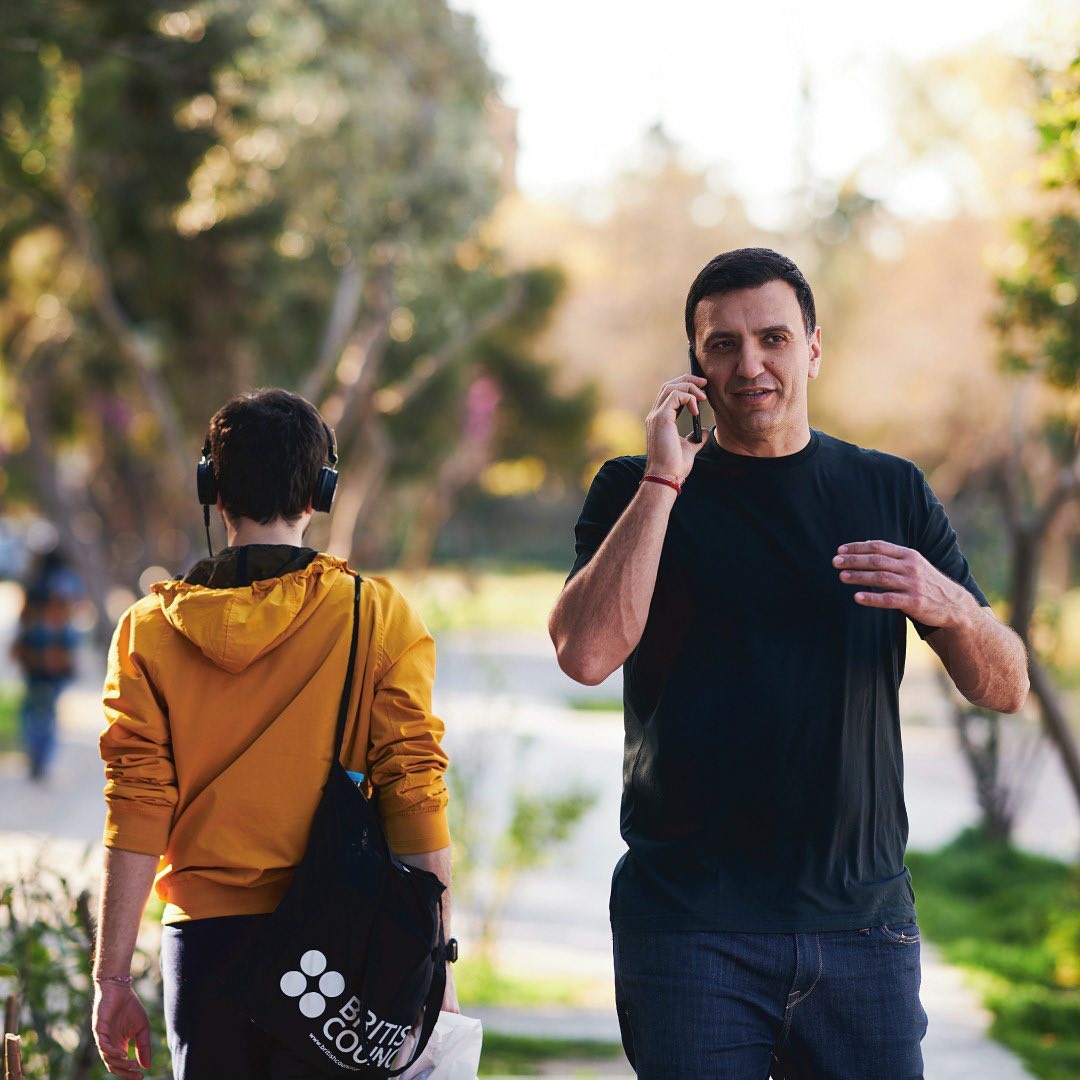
[46, 942]
[517, 1055]
[10, 702]
[1013, 920]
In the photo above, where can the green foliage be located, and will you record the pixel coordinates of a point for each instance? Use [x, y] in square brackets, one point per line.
[45, 959]
[1039, 313]
[479, 982]
[1039, 316]
[597, 704]
[518, 1055]
[10, 701]
[1012, 919]
[1063, 938]
[489, 860]
[539, 824]
[1058, 122]
[242, 195]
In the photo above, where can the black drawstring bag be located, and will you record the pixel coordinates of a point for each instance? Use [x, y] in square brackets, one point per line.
[340, 971]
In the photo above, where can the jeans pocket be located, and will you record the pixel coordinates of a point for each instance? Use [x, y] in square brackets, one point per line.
[902, 933]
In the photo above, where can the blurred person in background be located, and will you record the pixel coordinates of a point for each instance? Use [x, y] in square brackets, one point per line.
[754, 587]
[45, 647]
[221, 697]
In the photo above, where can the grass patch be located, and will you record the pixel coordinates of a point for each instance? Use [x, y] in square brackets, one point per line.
[479, 982]
[1013, 919]
[596, 704]
[463, 599]
[10, 702]
[515, 1055]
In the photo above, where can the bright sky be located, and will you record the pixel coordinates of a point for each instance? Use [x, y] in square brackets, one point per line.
[589, 76]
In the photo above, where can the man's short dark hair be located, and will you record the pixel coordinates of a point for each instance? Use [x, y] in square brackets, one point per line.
[267, 448]
[749, 268]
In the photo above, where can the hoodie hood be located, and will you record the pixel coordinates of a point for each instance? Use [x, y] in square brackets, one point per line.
[241, 604]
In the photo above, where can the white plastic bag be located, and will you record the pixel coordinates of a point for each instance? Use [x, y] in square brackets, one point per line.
[452, 1053]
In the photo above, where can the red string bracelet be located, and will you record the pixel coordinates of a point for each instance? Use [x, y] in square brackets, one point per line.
[663, 480]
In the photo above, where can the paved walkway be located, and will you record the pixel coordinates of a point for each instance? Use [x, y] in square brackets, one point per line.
[557, 925]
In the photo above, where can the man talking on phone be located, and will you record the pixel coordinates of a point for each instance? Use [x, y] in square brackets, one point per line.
[754, 587]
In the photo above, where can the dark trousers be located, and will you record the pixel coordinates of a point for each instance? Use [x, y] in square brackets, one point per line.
[38, 716]
[837, 1005]
[209, 1038]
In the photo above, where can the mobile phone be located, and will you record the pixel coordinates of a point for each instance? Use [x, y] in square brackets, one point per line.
[695, 369]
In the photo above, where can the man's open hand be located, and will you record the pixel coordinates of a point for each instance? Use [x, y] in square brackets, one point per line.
[911, 584]
[119, 1019]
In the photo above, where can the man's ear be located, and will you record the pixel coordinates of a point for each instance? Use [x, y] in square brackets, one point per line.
[814, 344]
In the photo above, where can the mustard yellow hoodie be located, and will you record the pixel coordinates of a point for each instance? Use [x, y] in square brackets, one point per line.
[221, 705]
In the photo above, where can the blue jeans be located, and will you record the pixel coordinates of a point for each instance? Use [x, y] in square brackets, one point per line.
[835, 1005]
[38, 716]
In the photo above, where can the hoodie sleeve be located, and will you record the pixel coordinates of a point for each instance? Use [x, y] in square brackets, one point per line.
[406, 760]
[140, 788]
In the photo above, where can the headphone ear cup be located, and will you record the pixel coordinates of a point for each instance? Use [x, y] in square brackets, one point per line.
[206, 482]
[325, 488]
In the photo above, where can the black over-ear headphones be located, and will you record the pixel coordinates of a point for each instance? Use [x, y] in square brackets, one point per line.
[326, 484]
[322, 498]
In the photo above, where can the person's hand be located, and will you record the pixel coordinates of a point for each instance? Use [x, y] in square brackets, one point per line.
[669, 454]
[120, 1018]
[911, 584]
[450, 1001]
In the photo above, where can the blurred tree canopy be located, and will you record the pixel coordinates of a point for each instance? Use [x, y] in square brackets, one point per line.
[1039, 317]
[201, 201]
[1036, 474]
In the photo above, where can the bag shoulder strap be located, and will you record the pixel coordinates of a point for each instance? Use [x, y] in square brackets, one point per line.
[346, 690]
[432, 1003]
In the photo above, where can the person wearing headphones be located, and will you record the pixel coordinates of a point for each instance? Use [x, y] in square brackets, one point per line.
[755, 587]
[221, 697]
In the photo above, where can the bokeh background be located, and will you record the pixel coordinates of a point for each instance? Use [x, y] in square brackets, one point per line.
[465, 231]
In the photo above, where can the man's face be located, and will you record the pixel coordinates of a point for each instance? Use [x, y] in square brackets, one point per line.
[754, 340]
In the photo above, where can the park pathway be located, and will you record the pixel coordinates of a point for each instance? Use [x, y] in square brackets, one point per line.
[506, 707]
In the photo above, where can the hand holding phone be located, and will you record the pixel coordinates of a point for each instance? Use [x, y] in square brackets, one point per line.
[669, 453]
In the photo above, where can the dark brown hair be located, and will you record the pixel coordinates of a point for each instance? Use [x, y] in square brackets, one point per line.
[749, 268]
[267, 448]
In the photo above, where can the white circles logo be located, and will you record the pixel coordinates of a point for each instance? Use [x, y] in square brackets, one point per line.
[294, 984]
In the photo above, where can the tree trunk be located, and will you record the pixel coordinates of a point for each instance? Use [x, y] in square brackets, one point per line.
[360, 490]
[1022, 596]
[1056, 722]
[979, 731]
[12, 1058]
[437, 504]
[1027, 532]
[1023, 589]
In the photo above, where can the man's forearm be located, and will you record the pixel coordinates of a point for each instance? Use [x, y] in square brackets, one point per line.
[438, 863]
[600, 616]
[985, 659]
[127, 880]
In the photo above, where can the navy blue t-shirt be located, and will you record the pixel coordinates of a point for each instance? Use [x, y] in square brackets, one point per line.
[763, 773]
